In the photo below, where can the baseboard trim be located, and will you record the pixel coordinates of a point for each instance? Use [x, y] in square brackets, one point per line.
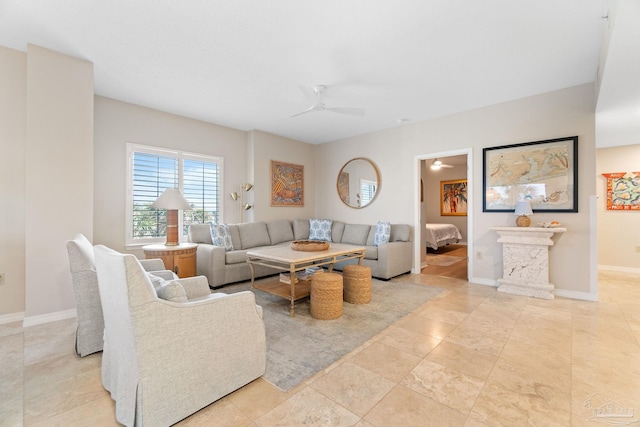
[485, 282]
[584, 296]
[49, 317]
[11, 317]
[618, 269]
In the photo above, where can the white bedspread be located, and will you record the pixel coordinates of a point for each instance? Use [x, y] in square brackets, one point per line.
[441, 235]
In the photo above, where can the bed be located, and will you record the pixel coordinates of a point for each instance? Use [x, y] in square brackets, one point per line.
[439, 235]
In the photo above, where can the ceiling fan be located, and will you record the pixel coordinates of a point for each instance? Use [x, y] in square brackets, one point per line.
[318, 105]
[437, 164]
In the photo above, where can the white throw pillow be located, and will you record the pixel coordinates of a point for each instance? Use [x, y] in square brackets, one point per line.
[320, 229]
[172, 291]
[383, 233]
[221, 236]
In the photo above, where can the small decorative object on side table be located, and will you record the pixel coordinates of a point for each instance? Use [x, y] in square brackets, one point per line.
[181, 259]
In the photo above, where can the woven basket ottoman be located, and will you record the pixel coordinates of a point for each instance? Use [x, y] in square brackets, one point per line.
[357, 284]
[326, 296]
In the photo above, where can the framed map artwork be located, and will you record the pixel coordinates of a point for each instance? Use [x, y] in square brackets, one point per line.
[543, 172]
[623, 191]
[287, 184]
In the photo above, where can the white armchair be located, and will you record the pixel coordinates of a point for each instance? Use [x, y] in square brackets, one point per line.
[85, 285]
[165, 360]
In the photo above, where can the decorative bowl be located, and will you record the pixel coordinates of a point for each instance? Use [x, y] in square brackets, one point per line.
[552, 224]
[309, 245]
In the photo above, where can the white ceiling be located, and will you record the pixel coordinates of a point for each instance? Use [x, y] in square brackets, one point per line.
[240, 63]
[618, 111]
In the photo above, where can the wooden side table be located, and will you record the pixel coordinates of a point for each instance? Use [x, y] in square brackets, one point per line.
[180, 259]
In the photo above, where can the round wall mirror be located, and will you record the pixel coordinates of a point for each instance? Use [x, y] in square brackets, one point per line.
[358, 182]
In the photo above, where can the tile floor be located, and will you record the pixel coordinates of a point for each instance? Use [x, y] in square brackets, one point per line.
[469, 357]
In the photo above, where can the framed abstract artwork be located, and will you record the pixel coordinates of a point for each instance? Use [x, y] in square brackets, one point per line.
[545, 173]
[287, 184]
[453, 198]
[623, 191]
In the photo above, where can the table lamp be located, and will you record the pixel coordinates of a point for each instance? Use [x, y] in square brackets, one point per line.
[171, 199]
[523, 210]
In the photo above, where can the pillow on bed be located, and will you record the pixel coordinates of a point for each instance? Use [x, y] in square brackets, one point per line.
[383, 232]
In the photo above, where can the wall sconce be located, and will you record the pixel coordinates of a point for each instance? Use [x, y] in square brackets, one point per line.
[235, 196]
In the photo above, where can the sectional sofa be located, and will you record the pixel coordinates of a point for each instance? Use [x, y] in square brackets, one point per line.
[227, 265]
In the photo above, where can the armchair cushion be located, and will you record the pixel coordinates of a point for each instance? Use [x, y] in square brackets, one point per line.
[172, 291]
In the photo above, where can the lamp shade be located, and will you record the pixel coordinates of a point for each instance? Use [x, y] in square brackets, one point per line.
[171, 198]
[523, 208]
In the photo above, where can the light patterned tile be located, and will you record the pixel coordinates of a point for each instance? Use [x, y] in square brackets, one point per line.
[386, 361]
[308, 407]
[353, 387]
[407, 408]
[464, 359]
[444, 385]
[409, 341]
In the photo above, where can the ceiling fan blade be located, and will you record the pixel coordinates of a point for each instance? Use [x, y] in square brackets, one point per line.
[347, 110]
[308, 110]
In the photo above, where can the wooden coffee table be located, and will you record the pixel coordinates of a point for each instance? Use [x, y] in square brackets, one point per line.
[286, 259]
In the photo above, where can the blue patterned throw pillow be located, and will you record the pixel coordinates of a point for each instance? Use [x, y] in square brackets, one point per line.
[221, 236]
[320, 229]
[383, 233]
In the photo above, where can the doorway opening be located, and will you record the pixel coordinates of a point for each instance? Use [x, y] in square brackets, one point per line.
[438, 250]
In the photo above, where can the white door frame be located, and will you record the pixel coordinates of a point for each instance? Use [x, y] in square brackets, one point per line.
[417, 226]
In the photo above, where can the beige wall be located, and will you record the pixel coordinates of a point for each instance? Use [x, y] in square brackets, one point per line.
[561, 113]
[13, 126]
[618, 231]
[117, 123]
[58, 174]
[267, 147]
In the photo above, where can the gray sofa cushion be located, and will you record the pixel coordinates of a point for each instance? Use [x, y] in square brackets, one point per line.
[253, 234]
[371, 252]
[280, 231]
[371, 237]
[337, 229]
[356, 234]
[300, 229]
[400, 233]
[200, 233]
[235, 236]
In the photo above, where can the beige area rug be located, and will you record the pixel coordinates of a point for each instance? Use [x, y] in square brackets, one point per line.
[299, 347]
[442, 260]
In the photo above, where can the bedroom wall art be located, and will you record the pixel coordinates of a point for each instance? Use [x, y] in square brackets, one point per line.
[453, 197]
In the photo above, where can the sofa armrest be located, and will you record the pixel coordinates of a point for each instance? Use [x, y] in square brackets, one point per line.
[195, 287]
[211, 263]
[394, 258]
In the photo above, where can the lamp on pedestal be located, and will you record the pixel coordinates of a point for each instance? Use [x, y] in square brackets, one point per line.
[523, 210]
[172, 200]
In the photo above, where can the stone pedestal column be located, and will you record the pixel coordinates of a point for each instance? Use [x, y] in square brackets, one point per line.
[525, 260]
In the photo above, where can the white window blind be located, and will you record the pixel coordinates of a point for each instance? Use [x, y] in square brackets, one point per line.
[153, 170]
[367, 191]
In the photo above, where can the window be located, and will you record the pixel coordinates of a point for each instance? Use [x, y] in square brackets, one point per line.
[151, 171]
[368, 190]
